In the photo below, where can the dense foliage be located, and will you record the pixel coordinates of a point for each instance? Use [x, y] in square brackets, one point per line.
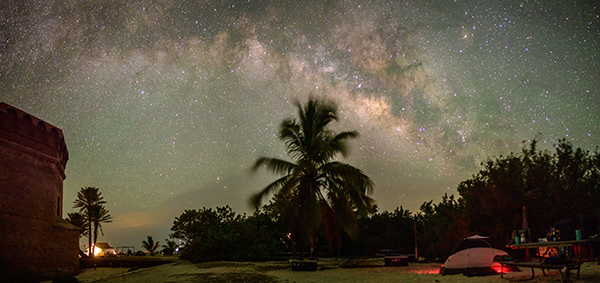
[553, 187]
[388, 231]
[221, 234]
[440, 227]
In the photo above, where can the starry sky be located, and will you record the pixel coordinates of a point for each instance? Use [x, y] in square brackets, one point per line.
[165, 105]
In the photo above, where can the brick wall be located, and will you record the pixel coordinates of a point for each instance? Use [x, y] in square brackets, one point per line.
[35, 241]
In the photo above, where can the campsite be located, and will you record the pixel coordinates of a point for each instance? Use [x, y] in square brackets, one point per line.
[333, 272]
[475, 255]
[475, 258]
[525, 240]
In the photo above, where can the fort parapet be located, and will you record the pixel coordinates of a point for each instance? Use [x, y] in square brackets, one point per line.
[35, 241]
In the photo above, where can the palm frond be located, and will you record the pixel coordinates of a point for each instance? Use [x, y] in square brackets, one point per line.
[80, 221]
[87, 197]
[256, 199]
[339, 144]
[274, 165]
[291, 134]
[351, 176]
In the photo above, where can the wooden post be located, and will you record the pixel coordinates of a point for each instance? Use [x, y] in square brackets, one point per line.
[416, 253]
[525, 227]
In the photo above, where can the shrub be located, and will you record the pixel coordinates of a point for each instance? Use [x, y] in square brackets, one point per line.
[222, 234]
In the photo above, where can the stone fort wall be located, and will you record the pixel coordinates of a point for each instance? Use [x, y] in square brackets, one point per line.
[35, 241]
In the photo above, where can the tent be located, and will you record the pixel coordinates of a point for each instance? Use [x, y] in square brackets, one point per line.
[474, 255]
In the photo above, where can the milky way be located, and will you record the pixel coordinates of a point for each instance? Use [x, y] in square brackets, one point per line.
[165, 105]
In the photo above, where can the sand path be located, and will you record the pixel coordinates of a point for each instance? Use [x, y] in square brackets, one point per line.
[184, 271]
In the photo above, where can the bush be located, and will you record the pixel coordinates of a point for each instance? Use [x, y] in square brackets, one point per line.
[223, 235]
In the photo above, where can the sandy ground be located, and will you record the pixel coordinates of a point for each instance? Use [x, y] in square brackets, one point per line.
[329, 271]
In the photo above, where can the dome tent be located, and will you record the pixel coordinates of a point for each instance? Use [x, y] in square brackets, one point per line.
[474, 255]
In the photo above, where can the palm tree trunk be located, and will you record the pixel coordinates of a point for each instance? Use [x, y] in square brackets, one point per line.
[95, 234]
[302, 233]
[301, 242]
[90, 248]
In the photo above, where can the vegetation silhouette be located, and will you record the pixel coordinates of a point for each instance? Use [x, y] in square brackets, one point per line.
[87, 199]
[221, 234]
[384, 231]
[80, 221]
[316, 192]
[150, 245]
[307, 201]
[553, 187]
[170, 247]
[440, 226]
[99, 215]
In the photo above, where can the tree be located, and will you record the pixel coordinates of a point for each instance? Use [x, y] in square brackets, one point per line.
[80, 221]
[170, 247]
[86, 199]
[316, 192]
[441, 226]
[150, 245]
[389, 230]
[192, 224]
[553, 187]
[222, 234]
[98, 216]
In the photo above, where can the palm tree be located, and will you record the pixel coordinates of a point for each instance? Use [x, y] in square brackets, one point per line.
[170, 247]
[316, 192]
[78, 220]
[98, 216]
[86, 199]
[150, 245]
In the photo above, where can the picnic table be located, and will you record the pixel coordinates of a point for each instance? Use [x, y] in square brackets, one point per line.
[560, 244]
[568, 266]
[565, 261]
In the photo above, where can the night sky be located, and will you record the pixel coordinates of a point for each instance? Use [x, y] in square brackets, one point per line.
[166, 105]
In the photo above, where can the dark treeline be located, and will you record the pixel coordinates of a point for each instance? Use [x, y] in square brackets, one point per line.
[553, 186]
[221, 234]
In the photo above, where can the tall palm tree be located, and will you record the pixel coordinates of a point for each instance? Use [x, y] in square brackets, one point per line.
[150, 245]
[98, 216]
[316, 192]
[86, 198]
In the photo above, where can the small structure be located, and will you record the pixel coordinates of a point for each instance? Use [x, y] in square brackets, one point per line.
[36, 242]
[125, 250]
[104, 249]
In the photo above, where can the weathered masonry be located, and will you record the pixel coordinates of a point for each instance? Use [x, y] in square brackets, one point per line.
[35, 241]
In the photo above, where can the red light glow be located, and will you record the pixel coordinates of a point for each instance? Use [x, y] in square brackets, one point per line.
[498, 268]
